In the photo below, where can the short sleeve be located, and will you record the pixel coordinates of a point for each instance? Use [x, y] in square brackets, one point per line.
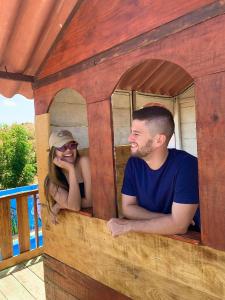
[186, 186]
[129, 187]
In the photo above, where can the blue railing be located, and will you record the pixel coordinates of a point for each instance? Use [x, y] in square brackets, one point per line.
[32, 205]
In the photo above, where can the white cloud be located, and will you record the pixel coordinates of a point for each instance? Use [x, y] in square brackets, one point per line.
[8, 103]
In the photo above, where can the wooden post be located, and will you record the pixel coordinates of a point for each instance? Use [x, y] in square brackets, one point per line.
[23, 223]
[102, 159]
[36, 220]
[210, 108]
[6, 248]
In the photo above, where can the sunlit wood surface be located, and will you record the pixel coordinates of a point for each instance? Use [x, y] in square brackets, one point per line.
[24, 281]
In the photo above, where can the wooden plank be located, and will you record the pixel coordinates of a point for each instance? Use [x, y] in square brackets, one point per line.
[12, 289]
[6, 247]
[12, 261]
[61, 33]
[23, 223]
[36, 220]
[54, 292]
[173, 48]
[21, 194]
[20, 266]
[141, 266]
[75, 283]
[31, 282]
[102, 160]
[143, 40]
[140, 17]
[38, 269]
[210, 94]
[42, 136]
[16, 76]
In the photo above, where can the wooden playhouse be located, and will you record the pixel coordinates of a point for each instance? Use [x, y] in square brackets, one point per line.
[109, 59]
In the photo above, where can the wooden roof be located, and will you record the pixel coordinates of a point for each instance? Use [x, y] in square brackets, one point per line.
[156, 77]
[28, 33]
[28, 30]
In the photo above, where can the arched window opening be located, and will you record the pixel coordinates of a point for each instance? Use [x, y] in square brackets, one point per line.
[153, 82]
[68, 111]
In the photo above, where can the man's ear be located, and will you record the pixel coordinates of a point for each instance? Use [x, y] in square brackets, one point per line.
[160, 139]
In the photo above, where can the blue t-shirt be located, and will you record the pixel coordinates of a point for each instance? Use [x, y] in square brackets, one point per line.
[156, 190]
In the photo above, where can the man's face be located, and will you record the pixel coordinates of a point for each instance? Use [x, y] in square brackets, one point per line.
[141, 139]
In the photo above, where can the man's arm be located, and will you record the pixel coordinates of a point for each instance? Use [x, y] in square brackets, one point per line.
[175, 223]
[131, 210]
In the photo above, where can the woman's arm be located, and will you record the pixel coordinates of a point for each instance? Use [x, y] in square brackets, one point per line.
[67, 200]
[86, 174]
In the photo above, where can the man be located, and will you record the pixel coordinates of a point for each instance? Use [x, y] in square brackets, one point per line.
[160, 188]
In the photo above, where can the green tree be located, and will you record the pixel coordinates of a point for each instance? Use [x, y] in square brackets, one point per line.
[17, 156]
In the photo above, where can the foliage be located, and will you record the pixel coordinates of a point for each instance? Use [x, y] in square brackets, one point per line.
[14, 221]
[17, 156]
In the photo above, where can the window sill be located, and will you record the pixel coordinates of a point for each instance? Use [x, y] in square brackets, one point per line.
[192, 237]
[86, 212]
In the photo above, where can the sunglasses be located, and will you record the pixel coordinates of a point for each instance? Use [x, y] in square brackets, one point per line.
[70, 146]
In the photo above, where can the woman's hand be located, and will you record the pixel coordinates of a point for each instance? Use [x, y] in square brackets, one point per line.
[63, 164]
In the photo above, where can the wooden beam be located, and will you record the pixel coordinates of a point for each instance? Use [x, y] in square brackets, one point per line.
[210, 110]
[20, 194]
[191, 19]
[16, 76]
[23, 223]
[6, 247]
[102, 160]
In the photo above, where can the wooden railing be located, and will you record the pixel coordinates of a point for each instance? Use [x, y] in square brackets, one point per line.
[6, 235]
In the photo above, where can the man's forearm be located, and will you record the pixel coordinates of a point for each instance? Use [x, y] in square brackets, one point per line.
[161, 225]
[135, 212]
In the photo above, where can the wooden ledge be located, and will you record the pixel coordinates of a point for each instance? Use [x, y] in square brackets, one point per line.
[192, 237]
[86, 212]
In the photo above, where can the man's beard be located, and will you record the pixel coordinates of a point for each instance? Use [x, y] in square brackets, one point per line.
[144, 150]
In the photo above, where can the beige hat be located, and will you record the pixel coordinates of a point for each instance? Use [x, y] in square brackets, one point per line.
[60, 138]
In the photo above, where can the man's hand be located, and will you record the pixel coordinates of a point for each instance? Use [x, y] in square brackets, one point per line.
[119, 226]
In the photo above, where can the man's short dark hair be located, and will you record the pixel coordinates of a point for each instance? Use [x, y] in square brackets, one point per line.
[159, 115]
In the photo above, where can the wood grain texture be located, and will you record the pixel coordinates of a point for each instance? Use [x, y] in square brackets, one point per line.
[143, 40]
[23, 223]
[210, 94]
[37, 269]
[42, 135]
[186, 48]
[102, 160]
[141, 266]
[31, 282]
[10, 288]
[75, 283]
[5, 229]
[15, 195]
[90, 31]
[56, 293]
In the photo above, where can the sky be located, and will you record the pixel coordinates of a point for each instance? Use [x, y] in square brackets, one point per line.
[17, 109]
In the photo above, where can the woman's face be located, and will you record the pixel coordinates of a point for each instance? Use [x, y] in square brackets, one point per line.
[67, 152]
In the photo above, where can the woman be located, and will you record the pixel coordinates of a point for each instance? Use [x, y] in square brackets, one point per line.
[68, 184]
